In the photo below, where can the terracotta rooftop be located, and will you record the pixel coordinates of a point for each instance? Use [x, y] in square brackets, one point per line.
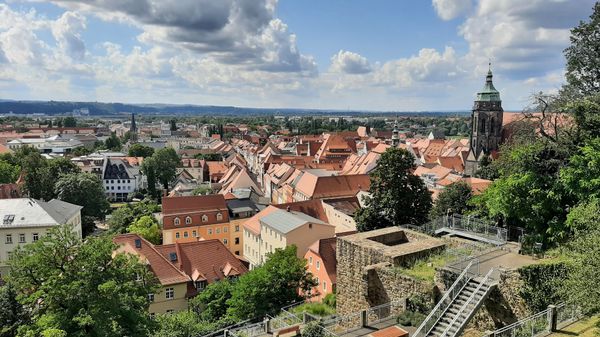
[185, 204]
[316, 187]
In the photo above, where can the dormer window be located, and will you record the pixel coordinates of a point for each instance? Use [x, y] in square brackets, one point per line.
[188, 220]
[177, 222]
[219, 216]
[200, 285]
[204, 218]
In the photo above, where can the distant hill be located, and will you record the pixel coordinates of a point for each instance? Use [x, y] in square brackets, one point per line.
[103, 109]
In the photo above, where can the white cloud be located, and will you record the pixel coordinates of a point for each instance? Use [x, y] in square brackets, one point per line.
[66, 30]
[349, 63]
[451, 9]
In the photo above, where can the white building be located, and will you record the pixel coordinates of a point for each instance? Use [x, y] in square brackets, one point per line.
[120, 178]
[54, 144]
[25, 220]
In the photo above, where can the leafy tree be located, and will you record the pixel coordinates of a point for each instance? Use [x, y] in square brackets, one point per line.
[12, 314]
[209, 156]
[78, 288]
[583, 65]
[585, 217]
[81, 151]
[113, 142]
[9, 173]
[148, 228]
[486, 169]
[201, 190]
[70, 122]
[128, 214]
[583, 276]
[397, 195]
[149, 170]
[139, 150]
[271, 286]
[582, 176]
[454, 199]
[84, 189]
[165, 162]
[211, 304]
[173, 125]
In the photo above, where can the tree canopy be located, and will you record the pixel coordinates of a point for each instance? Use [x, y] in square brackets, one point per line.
[139, 150]
[454, 199]
[78, 288]
[397, 196]
[148, 228]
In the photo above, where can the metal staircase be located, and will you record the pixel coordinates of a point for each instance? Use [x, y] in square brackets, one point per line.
[460, 303]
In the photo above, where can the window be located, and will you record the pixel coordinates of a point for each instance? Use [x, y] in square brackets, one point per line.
[309, 226]
[310, 260]
[225, 241]
[9, 239]
[185, 234]
[219, 216]
[218, 230]
[176, 235]
[204, 218]
[188, 220]
[176, 221]
[200, 285]
[151, 297]
[224, 229]
[237, 241]
[237, 252]
[21, 238]
[237, 228]
[169, 293]
[324, 285]
[318, 265]
[35, 237]
[194, 234]
[210, 231]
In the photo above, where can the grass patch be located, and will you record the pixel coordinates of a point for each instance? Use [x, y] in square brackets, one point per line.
[586, 327]
[425, 269]
[317, 309]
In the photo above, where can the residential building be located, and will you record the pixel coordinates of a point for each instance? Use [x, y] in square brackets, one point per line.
[274, 228]
[182, 269]
[120, 178]
[54, 144]
[194, 218]
[321, 263]
[26, 220]
[313, 186]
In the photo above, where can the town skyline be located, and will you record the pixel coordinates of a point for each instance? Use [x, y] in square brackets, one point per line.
[281, 54]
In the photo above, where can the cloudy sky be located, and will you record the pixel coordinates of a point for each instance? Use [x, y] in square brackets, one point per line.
[337, 54]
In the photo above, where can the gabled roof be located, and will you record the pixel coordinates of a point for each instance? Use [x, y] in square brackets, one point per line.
[285, 221]
[318, 187]
[164, 270]
[26, 212]
[196, 203]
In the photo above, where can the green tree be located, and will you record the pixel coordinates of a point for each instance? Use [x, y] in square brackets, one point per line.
[582, 176]
[396, 195]
[12, 314]
[139, 150]
[271, 286]
[78, 288]
[149, 170]
[454, 199]
[148, 228]
[165, 162]
[69, 122]
[583, 64]
[201, 190]
[211, 304]
[113, 142]
[585, 217]
[84, 189]
[126, 215]
[583, 276]
[486, 169]
[173, 125]
[9, 173]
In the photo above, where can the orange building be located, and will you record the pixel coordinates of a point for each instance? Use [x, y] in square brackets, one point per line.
[322, 264]
[203, 217]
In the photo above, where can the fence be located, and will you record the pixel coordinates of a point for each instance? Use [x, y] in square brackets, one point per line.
[541, 323]
[468, 224]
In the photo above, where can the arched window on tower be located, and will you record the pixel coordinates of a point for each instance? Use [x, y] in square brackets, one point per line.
[482, 127]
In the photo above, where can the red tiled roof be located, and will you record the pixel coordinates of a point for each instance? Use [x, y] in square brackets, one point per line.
[332, 186]
[313, 208]
[196, 203]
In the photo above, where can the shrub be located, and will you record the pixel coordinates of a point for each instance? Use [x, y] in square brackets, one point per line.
[410, 318]
[330, 300]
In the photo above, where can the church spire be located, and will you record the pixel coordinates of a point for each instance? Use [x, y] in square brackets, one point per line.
[395, 134]
[489, 92]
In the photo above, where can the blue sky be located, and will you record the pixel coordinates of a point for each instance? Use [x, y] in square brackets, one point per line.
[340, 54]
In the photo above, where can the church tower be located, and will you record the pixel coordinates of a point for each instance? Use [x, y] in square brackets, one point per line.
[486, 125]
[133, 129]
[395, 134]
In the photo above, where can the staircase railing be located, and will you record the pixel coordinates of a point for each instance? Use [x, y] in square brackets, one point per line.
[467, 303]
[446, 300]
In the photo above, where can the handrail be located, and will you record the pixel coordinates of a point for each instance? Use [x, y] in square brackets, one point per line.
[464, 306]
[438, 306]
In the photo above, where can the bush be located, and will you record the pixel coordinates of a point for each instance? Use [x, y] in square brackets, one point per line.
[317, 309]
[410, 318]
[312, 329]
[330, 300]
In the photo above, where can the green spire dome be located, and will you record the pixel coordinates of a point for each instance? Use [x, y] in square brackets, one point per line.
[488, 93]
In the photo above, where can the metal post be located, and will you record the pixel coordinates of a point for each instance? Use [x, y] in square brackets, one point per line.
[552, 318]
[268, 325]
[363, 318]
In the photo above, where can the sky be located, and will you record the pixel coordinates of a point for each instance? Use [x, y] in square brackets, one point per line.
[377, 55]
